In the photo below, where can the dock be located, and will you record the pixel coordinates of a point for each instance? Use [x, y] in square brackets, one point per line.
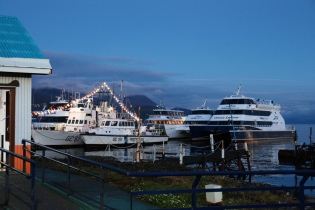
[52, 195]
[302, 156]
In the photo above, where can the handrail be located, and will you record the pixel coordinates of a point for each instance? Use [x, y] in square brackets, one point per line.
[29, 176]
[198, 174]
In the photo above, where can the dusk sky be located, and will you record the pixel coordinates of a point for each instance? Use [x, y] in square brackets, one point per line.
[178, 50]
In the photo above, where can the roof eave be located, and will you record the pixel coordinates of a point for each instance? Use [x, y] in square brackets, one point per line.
[25, 65]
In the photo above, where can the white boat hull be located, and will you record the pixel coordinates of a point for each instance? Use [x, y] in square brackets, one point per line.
[103, 140]
[56, 138]
[173, 133]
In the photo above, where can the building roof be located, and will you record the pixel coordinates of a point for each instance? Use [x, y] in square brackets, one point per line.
[18, 51]
[15, 41]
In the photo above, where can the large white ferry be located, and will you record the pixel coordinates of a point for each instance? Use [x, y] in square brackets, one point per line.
[241, 118]
[199, 116]
[169, 120]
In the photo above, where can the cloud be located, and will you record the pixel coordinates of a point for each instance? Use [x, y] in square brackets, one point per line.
[83, 73]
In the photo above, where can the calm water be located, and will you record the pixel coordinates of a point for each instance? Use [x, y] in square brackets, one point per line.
[264, 155]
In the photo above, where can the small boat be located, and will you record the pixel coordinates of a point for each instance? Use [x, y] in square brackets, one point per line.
[199, 116]
[240, 118]
[123, 132]
[168, 120]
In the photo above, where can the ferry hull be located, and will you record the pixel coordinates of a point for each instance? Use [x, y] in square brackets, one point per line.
[245, 133]
[56, 138]
[173, 133]
[92, 140]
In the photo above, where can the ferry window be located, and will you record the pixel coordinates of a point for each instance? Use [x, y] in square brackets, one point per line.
[114, 123]
[103, 123]
[72, 122]
[85, 122]
[77, 121]
[81, 121]
[121, 123]
[69, 121]
[107, 123]
[132, 124]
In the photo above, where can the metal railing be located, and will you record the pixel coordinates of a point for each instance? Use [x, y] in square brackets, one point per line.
[193, 191]
[8, 167]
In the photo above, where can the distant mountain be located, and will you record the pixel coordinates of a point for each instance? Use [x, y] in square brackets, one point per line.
[43, 96]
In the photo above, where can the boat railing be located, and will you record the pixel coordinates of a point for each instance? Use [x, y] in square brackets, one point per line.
[123, 116]
[195, 175]
[290, 127]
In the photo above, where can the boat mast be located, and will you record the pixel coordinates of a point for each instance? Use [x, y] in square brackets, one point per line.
[121, 97]
[239, 89]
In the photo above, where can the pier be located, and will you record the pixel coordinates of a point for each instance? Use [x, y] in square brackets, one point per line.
[302, 156]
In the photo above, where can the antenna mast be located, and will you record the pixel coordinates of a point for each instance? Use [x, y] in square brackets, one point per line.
[239, 89]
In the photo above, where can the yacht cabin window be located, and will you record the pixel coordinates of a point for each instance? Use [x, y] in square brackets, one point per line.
[114, 123]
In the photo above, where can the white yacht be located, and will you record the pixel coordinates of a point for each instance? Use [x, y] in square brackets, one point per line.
[199, 116]
[169, 120]
[122, 132]
[79, 120]
[241, 118]
[54, 117]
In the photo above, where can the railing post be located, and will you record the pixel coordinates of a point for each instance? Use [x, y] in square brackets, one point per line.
[7, 181]
[102, 189]
[33, 186]
[68, 175]
[301, 191]
[194, 196]
[24, 155]
[43, 164]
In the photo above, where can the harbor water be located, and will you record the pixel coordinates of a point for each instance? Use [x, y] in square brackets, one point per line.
[263, 155]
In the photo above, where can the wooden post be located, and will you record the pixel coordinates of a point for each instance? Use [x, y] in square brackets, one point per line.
[154, 153]
[222, 156]
[211, 143]
[310, 136]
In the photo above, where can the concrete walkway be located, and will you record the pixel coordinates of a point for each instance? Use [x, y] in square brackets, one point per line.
[85, 193]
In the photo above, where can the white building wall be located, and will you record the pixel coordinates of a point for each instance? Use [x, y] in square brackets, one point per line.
[23, 115]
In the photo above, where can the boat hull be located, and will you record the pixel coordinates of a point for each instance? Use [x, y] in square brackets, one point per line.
[93, 140]
[244, 133]
[56, 138]
[173, 133]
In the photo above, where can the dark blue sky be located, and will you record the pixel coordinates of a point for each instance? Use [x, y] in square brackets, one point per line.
[181, 51]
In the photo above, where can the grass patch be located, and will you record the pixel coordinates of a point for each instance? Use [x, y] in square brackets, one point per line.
[130, 184]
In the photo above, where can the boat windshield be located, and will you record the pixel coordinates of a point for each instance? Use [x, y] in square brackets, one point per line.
[237, 101]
